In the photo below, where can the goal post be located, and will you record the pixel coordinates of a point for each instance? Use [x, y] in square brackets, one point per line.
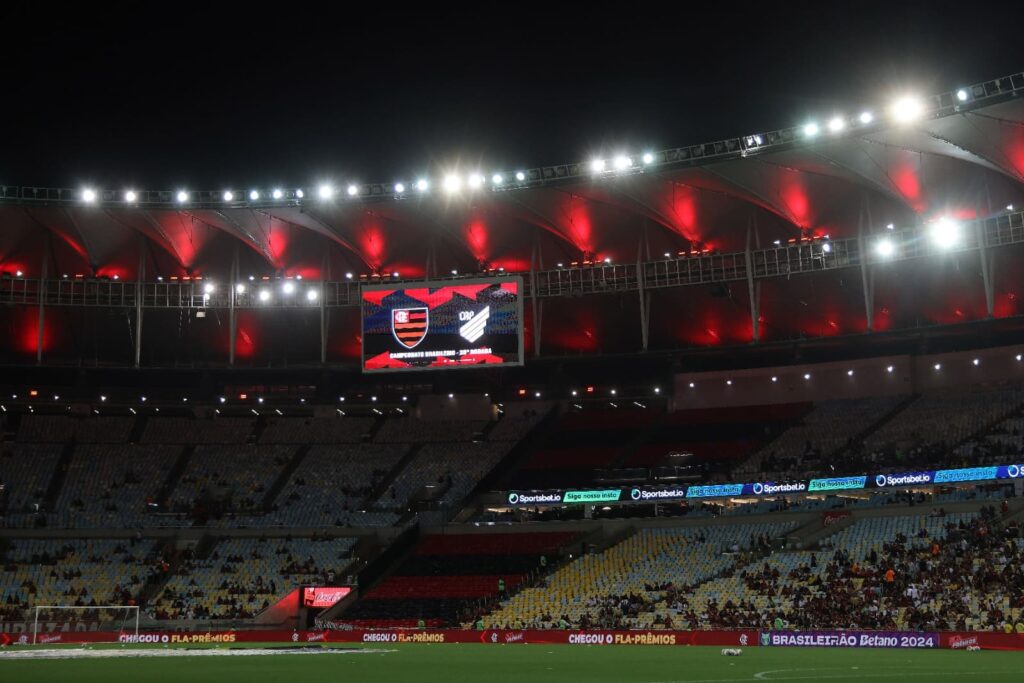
[116, 620]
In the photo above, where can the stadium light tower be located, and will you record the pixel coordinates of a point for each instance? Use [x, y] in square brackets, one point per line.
[866, 117]
[288, 287]
[229, 196]
[325, 191]
[422, 185]
[520, 176]
[130, 196]
[311, 295]
[399, 188]
[277, 193]
[182, 196]
[475, 180]
[452, 184]
[648, 158]
[597, 166]
[254, 195]
[885, 248]
[264, 295]
[89, 195]
[836, 124]
[353, 190]
[810, 129]
[622, 162]
[497, 179]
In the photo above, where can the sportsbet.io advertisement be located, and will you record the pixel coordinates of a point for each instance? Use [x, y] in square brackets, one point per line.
[440, 325]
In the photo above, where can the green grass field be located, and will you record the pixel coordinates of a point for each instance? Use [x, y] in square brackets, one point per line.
[539, 664]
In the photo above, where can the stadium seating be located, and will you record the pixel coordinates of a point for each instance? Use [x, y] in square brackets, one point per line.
[238, 476]
[26, 471]
[243, 576]
[316, 430]
[449, 577]
[197, 431]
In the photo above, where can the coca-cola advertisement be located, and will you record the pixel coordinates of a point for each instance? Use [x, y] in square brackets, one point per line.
[323, 596]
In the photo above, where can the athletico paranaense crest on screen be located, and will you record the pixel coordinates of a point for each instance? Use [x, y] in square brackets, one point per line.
[409, 325]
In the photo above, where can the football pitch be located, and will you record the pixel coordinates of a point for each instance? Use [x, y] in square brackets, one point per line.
[473, 663]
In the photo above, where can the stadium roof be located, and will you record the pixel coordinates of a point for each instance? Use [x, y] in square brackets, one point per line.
[963, 158]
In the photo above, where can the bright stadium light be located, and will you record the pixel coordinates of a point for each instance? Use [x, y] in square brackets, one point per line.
[520, 176]
[597, 165]
[229, 196]
[885, 248]
[849, 373]
[807, 375]
[300, 194]
[810, 129]
[325, 192]
[622, 162]
[889, 369]
[422, 185]
[288, 287]
[240, 288]
[906, 109]
[353, 190]
[209, 288]
[452, 184]
[648, 158]
[475, 180]
[88, 195]
[254, 195]
[277, 193]
[264, 295]
[399, 188]
[348, 276]
[937, 366]
[836, 124]
[774, 378]
[962, 95]
[130, 196]
[497, 179]
[311, 295]
[945, 233]
[826, 247]
[182, 196]
[866, 117]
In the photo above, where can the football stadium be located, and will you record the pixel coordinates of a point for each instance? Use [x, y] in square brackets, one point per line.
[747, 409]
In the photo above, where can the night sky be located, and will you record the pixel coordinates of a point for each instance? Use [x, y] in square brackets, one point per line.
[203, 98]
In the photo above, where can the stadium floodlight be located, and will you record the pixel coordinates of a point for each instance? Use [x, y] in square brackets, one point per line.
[885, 248]
[657, 390]
[826, 247]
[182, 196]
[454, 271]
[240, 288]
[976, 361]
[399, 188]
[774, 378]
[452, 184]
[497, 179]
[1009, 207]
[520, 176]
[18, 273]
[277, 193]
[288, 287]
[692, 385]
[962, 95]
[348, 276]
[103, 398]
[810, 129]
[325, 191]
[807, 375]
[422, 185]
[849, 373]
[475, 180]
[1019, 356]
[597, 166]
[622, 162]
[836, 124]
[945, 233]
[88, 195]
[728, 382]
[264, 295]
[209, 288]
[937, 366]
[311, 295]
[607, 259]
[254, 195]
[648, 158]
[890, 226]
[906, 109]
[229, 196]
[353, 190]
[889, 369]
[300, 194]
[866, 117]
[130, 196]
[394, 274]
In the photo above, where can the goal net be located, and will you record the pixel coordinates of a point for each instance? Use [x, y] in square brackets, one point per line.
[107, 622]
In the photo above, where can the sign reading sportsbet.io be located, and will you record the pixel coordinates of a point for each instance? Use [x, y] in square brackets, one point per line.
[655, 494]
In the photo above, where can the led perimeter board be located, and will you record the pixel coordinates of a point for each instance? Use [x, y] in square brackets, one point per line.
[442, 324]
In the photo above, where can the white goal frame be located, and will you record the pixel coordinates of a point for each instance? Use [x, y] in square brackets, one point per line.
[82, 608]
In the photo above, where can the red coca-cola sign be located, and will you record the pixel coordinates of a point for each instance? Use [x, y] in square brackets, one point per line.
[323, 596]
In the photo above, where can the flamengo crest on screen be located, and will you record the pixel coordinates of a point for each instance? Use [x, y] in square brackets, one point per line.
[409, 325]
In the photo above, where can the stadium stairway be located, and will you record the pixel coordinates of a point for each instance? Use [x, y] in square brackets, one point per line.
[60, 473]
[384, 484]
[284, 476]
[174, 475]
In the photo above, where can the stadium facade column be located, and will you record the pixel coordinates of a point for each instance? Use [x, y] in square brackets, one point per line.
[535, 302]
[325, 275]
[753, 288]
[643, 252]
[42, 299]
[987, 262]
[139, 284]
[867, 276]
[232, 317]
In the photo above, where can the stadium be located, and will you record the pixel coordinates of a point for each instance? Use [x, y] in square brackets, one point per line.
[737, 410]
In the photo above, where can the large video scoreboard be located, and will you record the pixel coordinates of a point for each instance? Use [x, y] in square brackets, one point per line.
[442, 325]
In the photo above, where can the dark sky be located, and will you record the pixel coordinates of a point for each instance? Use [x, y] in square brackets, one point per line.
[246, 96]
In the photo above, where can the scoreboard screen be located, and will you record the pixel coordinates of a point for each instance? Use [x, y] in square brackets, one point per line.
[441, 325]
